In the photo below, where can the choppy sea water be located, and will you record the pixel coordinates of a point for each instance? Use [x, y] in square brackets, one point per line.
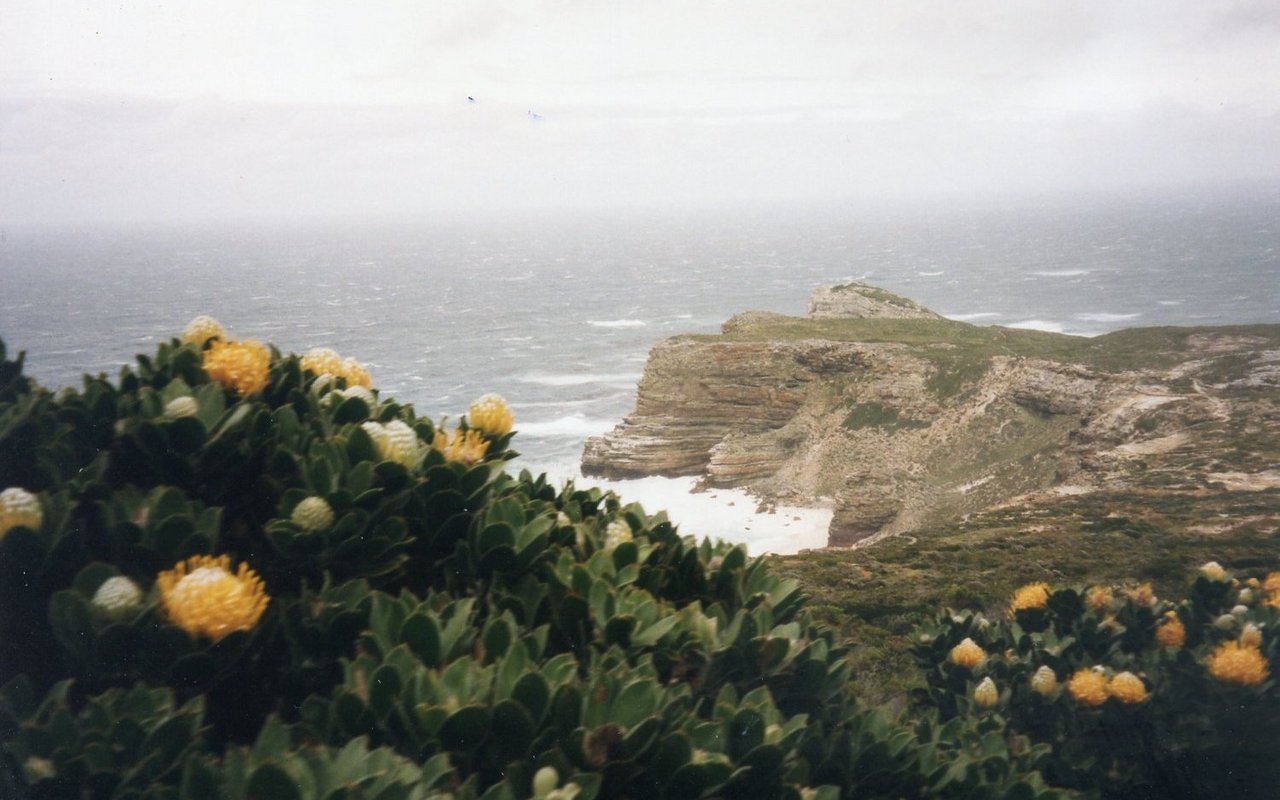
[557, 313]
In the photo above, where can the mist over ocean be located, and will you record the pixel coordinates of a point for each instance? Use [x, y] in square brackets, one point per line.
[557, 313]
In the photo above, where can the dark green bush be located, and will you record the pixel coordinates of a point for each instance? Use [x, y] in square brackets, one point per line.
[236, 573]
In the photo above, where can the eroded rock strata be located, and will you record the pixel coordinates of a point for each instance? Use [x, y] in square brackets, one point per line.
[902, 419]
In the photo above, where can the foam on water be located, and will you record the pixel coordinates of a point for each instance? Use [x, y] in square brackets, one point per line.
[1037, 325]
[617, 323]
[580, 379]
[1105, 317]
[574, 425]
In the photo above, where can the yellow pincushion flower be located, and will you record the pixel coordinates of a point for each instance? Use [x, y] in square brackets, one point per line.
[1142, 594]
[354, 373]
[968, 654]
[1213, 571]
[1098, 598]
[1236, 663]
[1031, 596]
[466, 448]
[19, 508]
[1272, 588]
[1089, 688]
[203, 597]
[1171, 634]
[202, 329]
[491, 415]
[241, 366]
[1128, 689]
[322, 361]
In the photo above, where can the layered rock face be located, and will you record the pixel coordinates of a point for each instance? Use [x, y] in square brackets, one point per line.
[902, 419]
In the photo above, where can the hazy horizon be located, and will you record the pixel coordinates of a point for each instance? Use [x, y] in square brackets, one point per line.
[312, 110]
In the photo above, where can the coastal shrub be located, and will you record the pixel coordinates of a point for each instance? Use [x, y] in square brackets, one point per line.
[236, 573]
[1136, 696]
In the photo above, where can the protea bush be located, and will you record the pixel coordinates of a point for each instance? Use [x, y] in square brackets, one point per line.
[1135, 695]
[237, 573]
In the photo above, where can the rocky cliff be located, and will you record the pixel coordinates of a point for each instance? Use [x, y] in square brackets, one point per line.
[903, 419]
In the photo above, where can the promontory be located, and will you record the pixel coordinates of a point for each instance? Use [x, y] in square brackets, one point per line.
[903, 420]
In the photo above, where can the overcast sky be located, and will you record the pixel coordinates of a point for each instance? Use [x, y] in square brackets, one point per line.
[187, 110]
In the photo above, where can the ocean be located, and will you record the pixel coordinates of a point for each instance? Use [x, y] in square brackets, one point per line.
[557, 312]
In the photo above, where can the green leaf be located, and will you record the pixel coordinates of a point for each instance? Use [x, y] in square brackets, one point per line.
[422, 634]
[271, 782]
[465, 728]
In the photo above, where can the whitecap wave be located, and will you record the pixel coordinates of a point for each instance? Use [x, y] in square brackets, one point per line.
[617, 323]
[1102, 316]
[580, 379]
[931, 274]
[976, 315]
[1170, 302]
[574, 425]
[1037, 325]
[1059, 273]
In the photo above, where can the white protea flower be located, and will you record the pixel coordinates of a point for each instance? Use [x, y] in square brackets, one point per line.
[1213, 571]
[312, 514]
[986, 695]
[616, 533]
[202, 329]
[1225, 622]
[179, 407]
[19, 508]
[117, 597]
[361, 392]
[1239, 611]
[395, 441]
[1044, 682]
[1246, 596]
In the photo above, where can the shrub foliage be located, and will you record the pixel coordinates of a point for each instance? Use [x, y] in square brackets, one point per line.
[237, 573]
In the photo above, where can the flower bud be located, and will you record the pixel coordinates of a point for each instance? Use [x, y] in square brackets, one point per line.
[1251, 636]
[312, 514]
[1128, 688]
[1225, 622]
[1044, 682]
[180, 407]
[117, 597]
[545, 781]
[967, 654]
[19, 508]
[986, 695]
[1239, 611]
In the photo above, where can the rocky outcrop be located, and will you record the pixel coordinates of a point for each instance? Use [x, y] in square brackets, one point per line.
[905, 425]
[862, 301]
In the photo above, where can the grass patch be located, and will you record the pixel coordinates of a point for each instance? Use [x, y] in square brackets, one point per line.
[877, 415]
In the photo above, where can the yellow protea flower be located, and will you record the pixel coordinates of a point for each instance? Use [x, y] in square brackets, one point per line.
[322, 361]
[1089, 688]
[1237, 663]
[1272, 588]
[354, 373]
[202, 329]
[464, 447]
[205, 598]
[986, 695]
[240, 366]
[1031, 596]
[491, 415]
[1142, 594]
[1171, 634]
[1213, 571]
[325, 361]
[1098, 598]
[19, 508]
[1128, 689]
[968, 654]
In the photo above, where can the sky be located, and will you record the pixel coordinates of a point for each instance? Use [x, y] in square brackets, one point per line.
[199, 110]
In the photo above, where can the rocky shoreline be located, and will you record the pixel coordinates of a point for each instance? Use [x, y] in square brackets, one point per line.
[902, 419]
